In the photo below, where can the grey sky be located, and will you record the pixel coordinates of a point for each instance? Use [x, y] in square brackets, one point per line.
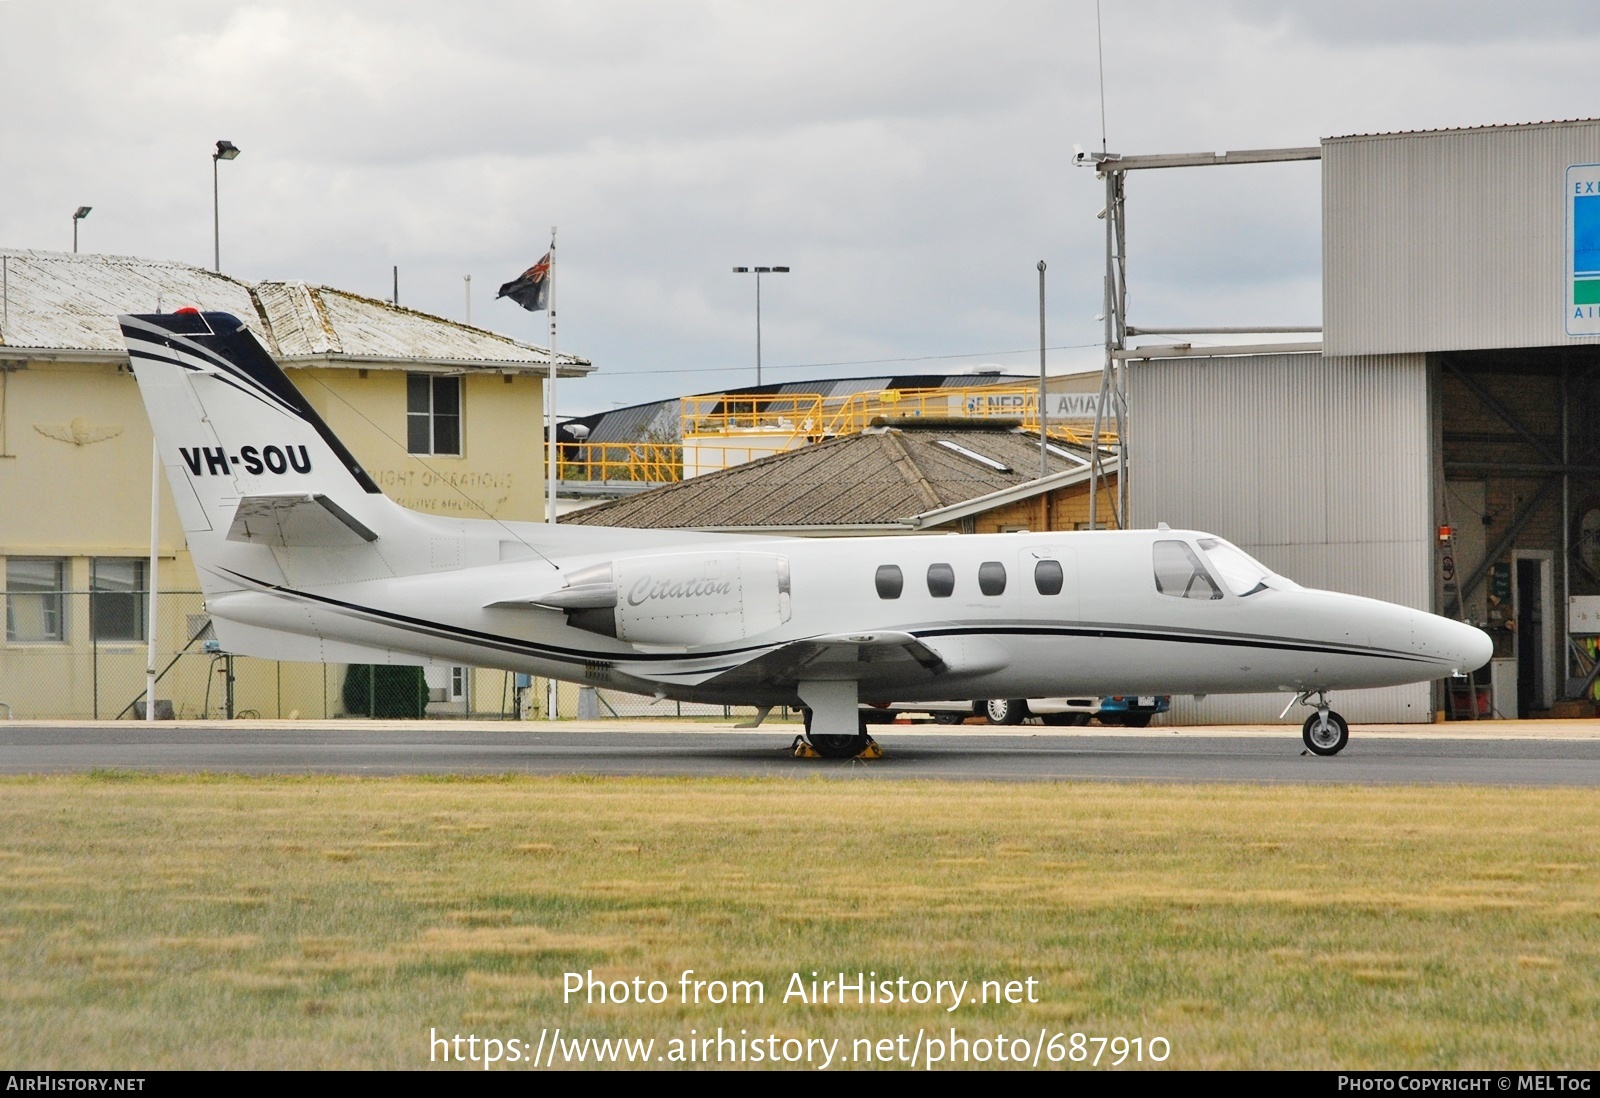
[910, 160]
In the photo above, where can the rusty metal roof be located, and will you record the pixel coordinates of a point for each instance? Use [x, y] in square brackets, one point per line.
[883, 477]
[60, 302]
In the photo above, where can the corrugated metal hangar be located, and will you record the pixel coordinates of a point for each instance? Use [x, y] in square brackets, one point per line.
[1442, 448]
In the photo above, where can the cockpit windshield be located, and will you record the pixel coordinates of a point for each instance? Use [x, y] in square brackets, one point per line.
[1242, 574]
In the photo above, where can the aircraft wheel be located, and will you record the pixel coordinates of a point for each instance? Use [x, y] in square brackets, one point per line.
[1002, 711]
[1065, 720]
[1325, 736]
[839, 747]
[836, 746]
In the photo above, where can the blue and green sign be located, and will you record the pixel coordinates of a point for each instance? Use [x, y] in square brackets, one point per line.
[1583, 249]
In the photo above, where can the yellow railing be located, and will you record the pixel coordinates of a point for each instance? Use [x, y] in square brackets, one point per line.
[812, 417]
[651, 462]
[723, 429]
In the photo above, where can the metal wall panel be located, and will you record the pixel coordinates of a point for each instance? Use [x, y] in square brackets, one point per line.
[1318, 466]
[1449, 240]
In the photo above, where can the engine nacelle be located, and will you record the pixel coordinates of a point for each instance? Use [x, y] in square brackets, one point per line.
[679, 599]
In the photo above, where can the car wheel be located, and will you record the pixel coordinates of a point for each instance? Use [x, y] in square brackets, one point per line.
[1002, 711]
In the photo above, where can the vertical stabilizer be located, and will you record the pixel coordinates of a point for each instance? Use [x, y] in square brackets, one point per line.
[251, 464]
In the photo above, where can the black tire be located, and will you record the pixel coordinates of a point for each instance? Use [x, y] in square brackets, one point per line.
[1004, 711]
[1329, 741]
[1064, 720]
[839, 747]
[836, 746]
[1136, 720]
[1112, 720]
[949, 718]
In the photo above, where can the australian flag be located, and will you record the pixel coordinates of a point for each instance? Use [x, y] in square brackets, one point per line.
[531, 288]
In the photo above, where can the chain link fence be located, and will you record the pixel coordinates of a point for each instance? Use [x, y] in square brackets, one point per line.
[76, 655]
[80, 654]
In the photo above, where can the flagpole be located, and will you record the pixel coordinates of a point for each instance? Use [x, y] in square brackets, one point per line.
[552, 469]
[155, 560]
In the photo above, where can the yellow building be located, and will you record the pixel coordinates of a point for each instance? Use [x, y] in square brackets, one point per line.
[448, 419]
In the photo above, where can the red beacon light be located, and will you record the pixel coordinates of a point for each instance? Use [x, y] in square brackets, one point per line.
[187, 310]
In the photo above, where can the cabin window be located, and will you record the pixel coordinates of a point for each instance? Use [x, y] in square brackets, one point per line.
[941, 581]
[992, 577]
[433, 414]
[890, 581]
[118, 598]
[1180, 574]
[34, 596]
[1048, 577]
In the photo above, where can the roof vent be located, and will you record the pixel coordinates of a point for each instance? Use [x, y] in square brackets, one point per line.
[973, 455]
[1068, 454]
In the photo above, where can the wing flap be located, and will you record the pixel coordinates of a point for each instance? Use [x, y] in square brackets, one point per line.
[850, 656]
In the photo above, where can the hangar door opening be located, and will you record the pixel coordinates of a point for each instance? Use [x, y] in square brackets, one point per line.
[1519, 448]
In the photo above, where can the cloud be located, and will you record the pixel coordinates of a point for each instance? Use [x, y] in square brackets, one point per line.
[910, 160]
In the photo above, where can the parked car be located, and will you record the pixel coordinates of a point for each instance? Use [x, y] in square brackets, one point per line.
[1119, 711]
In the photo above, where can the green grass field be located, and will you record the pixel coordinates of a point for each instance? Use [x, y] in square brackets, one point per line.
[239, 922]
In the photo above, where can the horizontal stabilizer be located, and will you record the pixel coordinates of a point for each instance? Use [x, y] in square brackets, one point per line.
[300, 519]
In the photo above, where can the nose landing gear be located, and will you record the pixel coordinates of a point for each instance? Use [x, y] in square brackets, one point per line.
[1325, 732]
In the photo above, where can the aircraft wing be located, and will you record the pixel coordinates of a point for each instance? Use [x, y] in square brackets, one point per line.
[845, 656]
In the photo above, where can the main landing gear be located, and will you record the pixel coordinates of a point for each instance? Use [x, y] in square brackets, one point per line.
[1325, 732]
[821, 745]
[830, 712]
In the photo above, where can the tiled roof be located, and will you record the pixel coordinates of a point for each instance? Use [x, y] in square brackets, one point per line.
[63, 302]
[880, 477]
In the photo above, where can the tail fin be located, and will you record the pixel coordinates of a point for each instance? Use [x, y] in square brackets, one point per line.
[252, 466]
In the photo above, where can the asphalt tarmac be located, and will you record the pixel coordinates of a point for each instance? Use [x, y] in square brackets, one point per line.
[1520, 753]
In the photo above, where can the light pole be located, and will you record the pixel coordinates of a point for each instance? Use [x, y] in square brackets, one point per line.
[759, 271]
[83, 212]
[1044, 414]
[226, 150]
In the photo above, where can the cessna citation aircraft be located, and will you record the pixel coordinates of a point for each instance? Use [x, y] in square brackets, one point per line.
[302, 557]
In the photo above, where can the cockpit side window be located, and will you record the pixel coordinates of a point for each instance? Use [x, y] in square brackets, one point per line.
[1180, 574]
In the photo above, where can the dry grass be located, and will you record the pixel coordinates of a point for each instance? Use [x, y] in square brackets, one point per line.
[153, 922]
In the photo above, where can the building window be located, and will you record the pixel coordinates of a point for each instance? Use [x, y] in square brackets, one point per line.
[1048, 577]
[433, 414]
[890, 581]
[118, 598]
[34, 599]
[992, 577]
[941, 581]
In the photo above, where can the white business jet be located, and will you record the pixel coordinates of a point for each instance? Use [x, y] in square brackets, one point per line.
[302, 557]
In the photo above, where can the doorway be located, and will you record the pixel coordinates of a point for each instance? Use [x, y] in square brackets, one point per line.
[1535, 634]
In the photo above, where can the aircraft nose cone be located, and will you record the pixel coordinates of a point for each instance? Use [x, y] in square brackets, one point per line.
[1476, 647]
